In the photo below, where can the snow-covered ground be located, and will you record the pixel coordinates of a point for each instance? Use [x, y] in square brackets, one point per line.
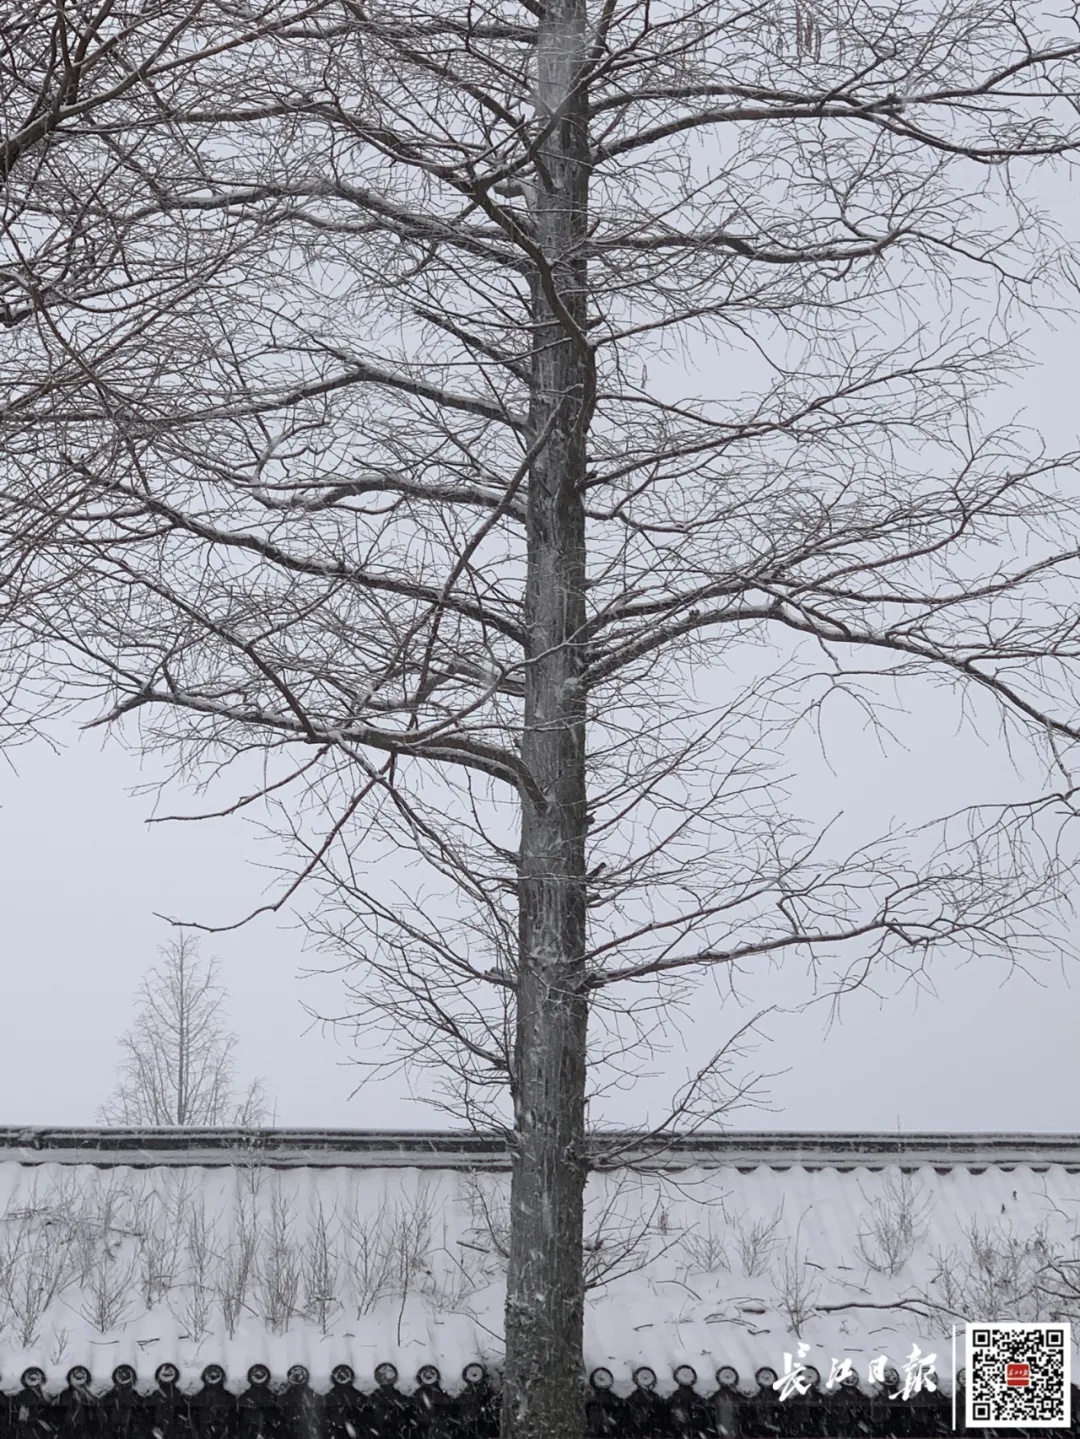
[705, 1266]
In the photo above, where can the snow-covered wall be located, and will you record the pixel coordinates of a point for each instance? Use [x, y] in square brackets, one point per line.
[709, 1264]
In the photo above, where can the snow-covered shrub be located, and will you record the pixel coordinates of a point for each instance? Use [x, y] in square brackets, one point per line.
[756, 1239]
[38, 1259]
[705, 1246]
[277, 1265]
[236, 1271]
[192, 1303]
[896, 1223]
[1000, 1273]
[796, 1288]
[321, 1268]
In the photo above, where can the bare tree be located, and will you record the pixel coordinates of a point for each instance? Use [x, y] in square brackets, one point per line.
[178, 1064]
[80, 289]
[404, 494]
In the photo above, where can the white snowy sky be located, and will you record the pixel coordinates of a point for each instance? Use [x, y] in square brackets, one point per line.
[82, 875]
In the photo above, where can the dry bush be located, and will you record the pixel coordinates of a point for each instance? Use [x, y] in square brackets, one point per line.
[387, 1254]
[410, 1245]
[897, 1222]
[101, 1219]
[159, 1263]
[621, 1232]
[107, 1290]
[1003, 1275]
[193, 1310]
[277, 1269]
[756, 1241]
[251, 1177]
[411, 1238]
[236, 1270]
[277, 1266]
[38, 1258]
[796, 1289]
[193, 1304]
[321, 1269]
[706, 1248]
[368, 1259]
[103, 1225]
[160, 1255]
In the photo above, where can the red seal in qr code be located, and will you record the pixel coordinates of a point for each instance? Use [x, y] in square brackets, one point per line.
[1017, 1376]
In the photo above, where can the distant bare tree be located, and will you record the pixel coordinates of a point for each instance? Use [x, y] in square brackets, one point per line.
[178, 1056]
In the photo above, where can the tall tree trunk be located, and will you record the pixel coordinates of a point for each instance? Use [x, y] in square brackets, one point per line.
[545, 1293]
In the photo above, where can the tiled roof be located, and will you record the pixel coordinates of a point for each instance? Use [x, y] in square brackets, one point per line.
[301, 1148]
[162, 1408]
[720, 1251]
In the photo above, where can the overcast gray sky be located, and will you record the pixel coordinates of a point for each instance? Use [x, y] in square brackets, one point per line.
[83, 876]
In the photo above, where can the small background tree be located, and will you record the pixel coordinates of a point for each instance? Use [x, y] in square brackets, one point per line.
[178, 1065]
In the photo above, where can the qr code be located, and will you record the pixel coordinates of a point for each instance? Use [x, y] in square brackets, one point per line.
[1018, 1376]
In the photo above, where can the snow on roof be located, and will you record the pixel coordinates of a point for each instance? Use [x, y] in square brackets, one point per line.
[293, 1148]
[315, 1248]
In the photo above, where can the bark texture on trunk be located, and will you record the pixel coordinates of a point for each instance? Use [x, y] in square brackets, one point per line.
[545, 1293]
